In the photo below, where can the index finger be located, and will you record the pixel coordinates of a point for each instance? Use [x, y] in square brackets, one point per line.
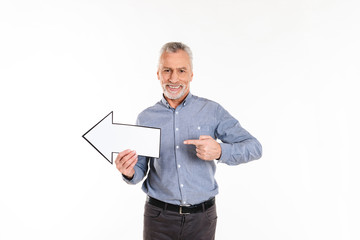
[193, 142]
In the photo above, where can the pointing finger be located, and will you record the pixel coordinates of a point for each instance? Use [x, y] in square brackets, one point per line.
[193, 142]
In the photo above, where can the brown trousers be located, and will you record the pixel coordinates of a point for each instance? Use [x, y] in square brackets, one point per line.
[167, 225]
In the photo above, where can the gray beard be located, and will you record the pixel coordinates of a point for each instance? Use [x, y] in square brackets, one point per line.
[172, 97]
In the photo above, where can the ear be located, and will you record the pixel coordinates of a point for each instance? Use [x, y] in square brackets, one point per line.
[158, 75]
[192, 74]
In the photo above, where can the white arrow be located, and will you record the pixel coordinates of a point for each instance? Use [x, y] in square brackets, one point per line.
[108, 137]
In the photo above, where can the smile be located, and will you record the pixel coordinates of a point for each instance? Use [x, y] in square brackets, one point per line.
[174, 87]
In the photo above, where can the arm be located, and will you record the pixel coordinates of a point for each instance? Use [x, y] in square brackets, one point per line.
[132, 166]
[238, 145]
[140, 169]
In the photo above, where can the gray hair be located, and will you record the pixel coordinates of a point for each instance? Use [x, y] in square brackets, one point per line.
[174, 47]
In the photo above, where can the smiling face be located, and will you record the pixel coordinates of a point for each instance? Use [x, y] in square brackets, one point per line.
[175, 75]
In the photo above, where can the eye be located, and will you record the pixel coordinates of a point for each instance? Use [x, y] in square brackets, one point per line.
[166, 70]
[182, 70]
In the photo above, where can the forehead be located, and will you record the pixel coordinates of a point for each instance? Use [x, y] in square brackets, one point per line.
[178, 59]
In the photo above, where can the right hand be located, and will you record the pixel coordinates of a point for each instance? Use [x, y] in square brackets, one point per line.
[125, 162]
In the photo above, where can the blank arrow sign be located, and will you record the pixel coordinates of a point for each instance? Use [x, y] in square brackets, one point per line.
[108, 137]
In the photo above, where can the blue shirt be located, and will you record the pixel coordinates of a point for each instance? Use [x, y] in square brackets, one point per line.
[179, 176]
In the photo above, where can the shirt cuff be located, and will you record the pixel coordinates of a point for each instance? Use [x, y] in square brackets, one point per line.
[129, 180]
[225, 152]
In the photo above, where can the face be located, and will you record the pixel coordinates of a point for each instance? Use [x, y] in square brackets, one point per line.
[175, 74]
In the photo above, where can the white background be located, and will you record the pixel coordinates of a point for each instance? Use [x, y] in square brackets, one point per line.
[287, 69]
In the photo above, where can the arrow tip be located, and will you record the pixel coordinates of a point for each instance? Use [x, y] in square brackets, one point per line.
[93, 133]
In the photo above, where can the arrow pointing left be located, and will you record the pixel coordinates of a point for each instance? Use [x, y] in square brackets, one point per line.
[108, 138]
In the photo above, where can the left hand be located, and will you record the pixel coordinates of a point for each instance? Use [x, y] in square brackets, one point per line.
[206, 147]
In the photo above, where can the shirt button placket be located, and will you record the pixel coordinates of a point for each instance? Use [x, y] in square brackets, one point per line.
[178, 154]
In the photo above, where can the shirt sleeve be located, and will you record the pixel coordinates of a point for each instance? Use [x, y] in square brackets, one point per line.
[238, 145]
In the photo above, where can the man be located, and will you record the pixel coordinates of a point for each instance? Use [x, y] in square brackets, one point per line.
[180, 184]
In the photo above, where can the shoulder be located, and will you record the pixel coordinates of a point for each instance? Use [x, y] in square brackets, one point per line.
[212, 107]
[150, 114]
[156, 107]
[207, 102]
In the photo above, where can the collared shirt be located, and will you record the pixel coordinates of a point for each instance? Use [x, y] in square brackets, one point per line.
[178, 176]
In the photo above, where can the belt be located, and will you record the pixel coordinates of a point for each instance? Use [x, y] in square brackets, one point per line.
[201, 207]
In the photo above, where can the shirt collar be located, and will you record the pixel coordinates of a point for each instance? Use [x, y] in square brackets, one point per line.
[186, 101]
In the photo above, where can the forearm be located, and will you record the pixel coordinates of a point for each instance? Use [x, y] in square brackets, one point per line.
[240, 152]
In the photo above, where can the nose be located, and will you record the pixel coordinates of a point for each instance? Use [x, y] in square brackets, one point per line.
[174, 77]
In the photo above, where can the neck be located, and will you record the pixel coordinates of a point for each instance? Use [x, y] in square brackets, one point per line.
[174, 103]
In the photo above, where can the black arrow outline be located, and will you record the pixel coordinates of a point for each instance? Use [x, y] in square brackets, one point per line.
[112, 121]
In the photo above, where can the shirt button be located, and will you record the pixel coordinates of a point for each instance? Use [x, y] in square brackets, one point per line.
[177, 147]
[179, 166]
[177, 112]
[199, 127]
[176, 129]
[181, 185]
[184, 202]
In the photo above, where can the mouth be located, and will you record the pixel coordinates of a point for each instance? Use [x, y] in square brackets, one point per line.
[174, 88]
